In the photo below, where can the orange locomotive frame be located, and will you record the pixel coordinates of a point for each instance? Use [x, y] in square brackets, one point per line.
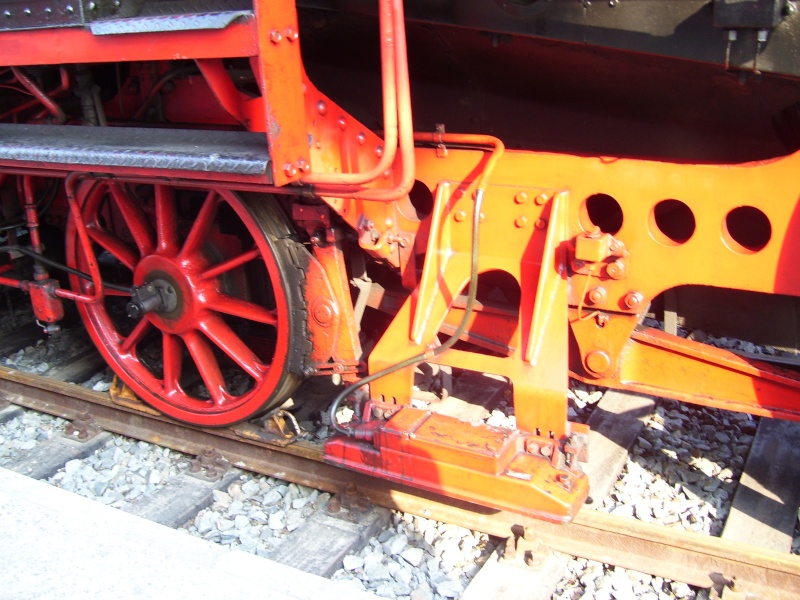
[583, 286]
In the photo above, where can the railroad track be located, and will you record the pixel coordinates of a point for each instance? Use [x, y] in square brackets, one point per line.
[697, 559]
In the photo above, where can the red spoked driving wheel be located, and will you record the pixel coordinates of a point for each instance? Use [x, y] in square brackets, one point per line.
[206, 316]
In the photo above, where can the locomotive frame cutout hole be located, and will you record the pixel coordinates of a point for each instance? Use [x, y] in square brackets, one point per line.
[671, 222]
[603, 211]
[746, 230]
[418, 205]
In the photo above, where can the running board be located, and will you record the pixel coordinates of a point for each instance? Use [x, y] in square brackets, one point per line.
[121, 17]
[223, 152]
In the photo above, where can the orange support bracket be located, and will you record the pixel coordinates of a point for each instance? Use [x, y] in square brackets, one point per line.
[279, 69]
[433, 297]
[538, 364]
[544, 405]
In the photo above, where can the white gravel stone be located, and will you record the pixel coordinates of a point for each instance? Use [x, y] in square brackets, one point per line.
[376, 572]
[205, 521]
[277, 520]
[449, 588]
[294, 518]
[413, 556]
[250, 488]
[395, 544]
[272, 497]
[240, 522]
[681, 590]
[351, 562]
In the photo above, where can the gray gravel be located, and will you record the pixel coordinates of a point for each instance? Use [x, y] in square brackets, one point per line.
[590, 580]
[684, 469]
[122, 472]
[25, 432]
[46, 353]
[682, 473]
[256, 513]
[417, 559]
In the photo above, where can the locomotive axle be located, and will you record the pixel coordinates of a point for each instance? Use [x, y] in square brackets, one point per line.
[156, 296]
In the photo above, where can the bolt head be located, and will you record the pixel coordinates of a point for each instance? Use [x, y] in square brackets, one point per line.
[323, 313]
[460, 216]
[633, 300]
[521, 221]
[541, 199]
[322, 108]
[616, 270]
[597, 295]
[598, 362]
[289, 170]
[531, 447]
[275, 36]
[521, 198]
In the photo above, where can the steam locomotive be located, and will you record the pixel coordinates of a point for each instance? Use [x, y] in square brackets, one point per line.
[241, 195]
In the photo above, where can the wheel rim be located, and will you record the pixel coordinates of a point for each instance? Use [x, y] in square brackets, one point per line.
[227, 338]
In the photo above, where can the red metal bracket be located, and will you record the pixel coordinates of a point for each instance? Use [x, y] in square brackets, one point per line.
[504, 469]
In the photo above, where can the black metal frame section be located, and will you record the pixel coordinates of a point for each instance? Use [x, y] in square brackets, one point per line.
[713, 31]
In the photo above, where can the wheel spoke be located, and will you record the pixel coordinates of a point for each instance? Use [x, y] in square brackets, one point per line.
[173, 358]
[135, 219]
[202, 226]
[118, 249]
[135, 336]
[166, 220]
[231, 264]
[241, 308]
[93, 205]
[207, 365]
[231, 344]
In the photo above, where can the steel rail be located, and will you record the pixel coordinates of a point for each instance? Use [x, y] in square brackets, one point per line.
[681, 556]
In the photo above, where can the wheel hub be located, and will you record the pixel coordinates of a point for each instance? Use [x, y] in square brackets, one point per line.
[158, 296]
[180, 289]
